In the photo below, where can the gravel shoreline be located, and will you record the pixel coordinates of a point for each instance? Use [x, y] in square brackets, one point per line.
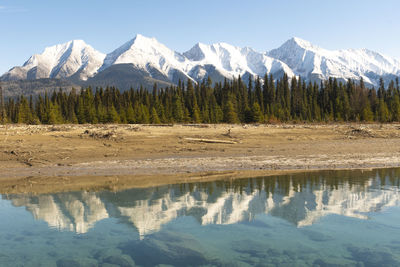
[89, 155]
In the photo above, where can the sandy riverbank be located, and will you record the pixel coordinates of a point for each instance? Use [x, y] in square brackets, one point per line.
[95, 157]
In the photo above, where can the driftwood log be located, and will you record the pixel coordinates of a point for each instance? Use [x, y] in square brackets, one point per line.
[212, 141]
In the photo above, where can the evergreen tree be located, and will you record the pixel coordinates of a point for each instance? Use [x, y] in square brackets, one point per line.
[383, 111]
[112, 115]
[396, 108]
[367, 114]
[3, 117]
[257, 115]
[196, 114]
[53, 114]
[250, 92]
[248, 115]
[145, 114]
[178, 112]
[259, 95]
[154, 117]
[24, 112]
[230, 115]
[81, 112]
[130, 115]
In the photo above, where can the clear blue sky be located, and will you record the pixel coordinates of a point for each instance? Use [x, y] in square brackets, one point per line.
[28, 26]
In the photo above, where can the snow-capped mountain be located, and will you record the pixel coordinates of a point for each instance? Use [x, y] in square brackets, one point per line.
[315, 63]
[219, 60]
[149, 55]
[144, 60]
[231, 61]
[72, 59]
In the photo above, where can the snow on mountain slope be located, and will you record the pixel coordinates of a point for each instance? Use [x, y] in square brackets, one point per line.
[60, 61]
[78, 61]
[146, 53]
[313, 62]
[233, 61]
[75, 58]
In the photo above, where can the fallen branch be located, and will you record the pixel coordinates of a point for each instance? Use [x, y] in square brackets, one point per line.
[212, 141]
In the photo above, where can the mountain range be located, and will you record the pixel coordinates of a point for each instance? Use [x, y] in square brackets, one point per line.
[145, 61]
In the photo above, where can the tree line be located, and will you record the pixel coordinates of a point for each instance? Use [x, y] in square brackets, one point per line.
[254, 101]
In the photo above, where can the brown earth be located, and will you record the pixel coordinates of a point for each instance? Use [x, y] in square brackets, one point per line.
[42, 159]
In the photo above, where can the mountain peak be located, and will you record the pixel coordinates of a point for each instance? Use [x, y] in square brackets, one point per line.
[139, 36]
[300, 42]
[196, 53]
[138, 41]
[78, 42]
[66, 45]
[64, 60]
[144, 40]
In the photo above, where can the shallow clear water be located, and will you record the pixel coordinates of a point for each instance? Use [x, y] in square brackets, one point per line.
[341, 218]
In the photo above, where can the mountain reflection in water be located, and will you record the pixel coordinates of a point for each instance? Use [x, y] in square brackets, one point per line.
[300, 199]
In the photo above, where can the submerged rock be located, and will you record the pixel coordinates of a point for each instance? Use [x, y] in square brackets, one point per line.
[316, 236]
[323, 263]
[101, 254]
[67, 263]
[166, 248]
[86, 262]
[371, 257]
[118, 261]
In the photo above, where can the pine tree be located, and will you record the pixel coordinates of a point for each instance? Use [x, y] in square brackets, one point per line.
[89, 109]
[396, 108]
[257, 115]
[112, 115]
[53, 114]
[381, 90]
[230, 115]
[186, 115]
[81, 111]
[101, 113]
[196, 114]
[205, 114]
[367, 114]
[145, 114]
[259, 95]
[177, 109]
[70, 108]
[248, 115]
[24, 114]
[3, 116]
[130, 115]
[383, 111]
[250, 92]
[122, 116]
[154, 117]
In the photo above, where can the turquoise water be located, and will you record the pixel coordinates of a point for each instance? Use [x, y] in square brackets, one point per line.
[341, 218]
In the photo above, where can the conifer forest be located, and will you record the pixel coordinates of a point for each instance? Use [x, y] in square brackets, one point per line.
[254, 101]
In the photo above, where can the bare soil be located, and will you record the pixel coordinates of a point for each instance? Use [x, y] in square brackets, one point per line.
[39, 159]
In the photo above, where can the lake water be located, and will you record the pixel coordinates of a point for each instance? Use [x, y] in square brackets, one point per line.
[337, 218]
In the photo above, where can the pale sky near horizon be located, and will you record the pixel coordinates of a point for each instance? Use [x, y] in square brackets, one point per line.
[27, 26]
